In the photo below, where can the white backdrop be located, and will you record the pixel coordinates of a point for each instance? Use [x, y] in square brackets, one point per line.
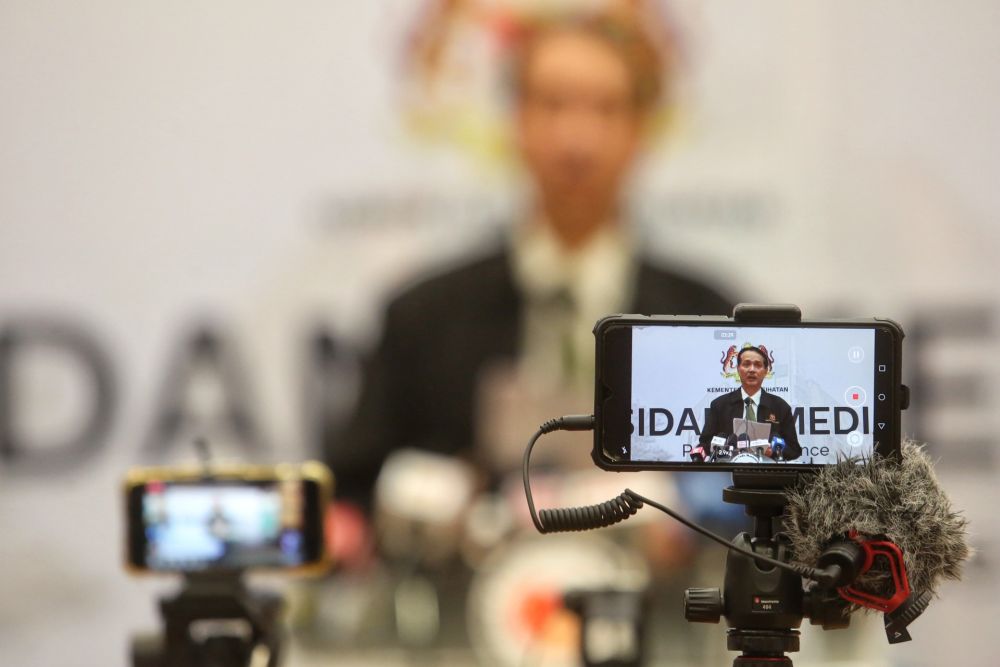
[245, 164]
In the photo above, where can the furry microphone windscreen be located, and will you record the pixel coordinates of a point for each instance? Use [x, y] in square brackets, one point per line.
[900, 501]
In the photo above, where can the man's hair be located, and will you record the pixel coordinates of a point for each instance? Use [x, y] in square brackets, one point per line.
[647, 65]
[751, 348]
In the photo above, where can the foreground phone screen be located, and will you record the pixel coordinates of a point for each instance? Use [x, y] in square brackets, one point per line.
[825, 394]
[189, 526]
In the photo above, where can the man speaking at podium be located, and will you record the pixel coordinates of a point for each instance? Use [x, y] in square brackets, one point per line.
[752, 403]
[582, 92]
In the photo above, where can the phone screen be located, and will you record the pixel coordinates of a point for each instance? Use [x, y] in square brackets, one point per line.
[191, 525]
[730, 394]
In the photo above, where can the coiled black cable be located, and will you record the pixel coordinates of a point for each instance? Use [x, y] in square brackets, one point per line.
[622, 506]
[590, 517]
[570, 519]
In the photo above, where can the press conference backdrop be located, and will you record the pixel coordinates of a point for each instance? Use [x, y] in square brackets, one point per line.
[203, 205]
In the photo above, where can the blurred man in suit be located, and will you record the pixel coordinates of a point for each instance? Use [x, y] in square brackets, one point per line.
[582, 92]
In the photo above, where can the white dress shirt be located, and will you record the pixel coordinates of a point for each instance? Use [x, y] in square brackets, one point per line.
[566, 292]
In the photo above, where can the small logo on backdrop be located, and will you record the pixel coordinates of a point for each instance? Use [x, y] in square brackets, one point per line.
[729, 361]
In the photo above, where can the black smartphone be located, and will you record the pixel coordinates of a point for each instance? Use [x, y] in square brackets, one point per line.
[234, 518]
[712, 393]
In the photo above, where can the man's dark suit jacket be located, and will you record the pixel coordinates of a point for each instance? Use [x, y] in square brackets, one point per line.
[420, 384]
[773, 410]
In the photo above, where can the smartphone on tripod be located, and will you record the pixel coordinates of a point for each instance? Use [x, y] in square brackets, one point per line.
[678, 393]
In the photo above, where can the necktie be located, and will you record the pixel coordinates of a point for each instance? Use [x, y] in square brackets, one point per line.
[750, 415]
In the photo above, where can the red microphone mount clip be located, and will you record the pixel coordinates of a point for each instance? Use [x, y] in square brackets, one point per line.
[901, 584]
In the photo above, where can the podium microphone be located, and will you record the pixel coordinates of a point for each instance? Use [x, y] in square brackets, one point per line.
[723, 448]
[708, 453]
[731, 445]
[896, 511]
[778, 448]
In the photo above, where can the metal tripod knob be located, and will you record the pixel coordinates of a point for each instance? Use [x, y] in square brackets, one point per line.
[703, 605]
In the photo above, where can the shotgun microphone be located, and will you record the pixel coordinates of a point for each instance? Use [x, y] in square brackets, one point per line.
[896, 510]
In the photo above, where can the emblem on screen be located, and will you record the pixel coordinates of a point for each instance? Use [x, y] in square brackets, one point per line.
[729, 361]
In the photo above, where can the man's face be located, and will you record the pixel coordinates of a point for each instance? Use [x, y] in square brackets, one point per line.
[577, 125]
[752, 371]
